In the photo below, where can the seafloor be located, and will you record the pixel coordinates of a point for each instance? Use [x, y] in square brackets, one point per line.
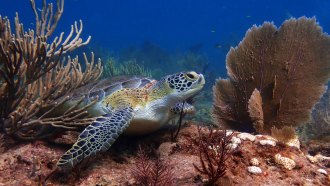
[31, 162]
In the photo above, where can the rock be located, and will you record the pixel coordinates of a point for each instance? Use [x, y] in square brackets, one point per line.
[268, 142]
[254, 170]
[165, 149]
[246, 136]
[322, 171]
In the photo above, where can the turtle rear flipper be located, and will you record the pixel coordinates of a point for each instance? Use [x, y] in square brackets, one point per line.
[97, 137]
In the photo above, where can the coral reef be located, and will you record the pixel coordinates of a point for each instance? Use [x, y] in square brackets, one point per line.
[32, 162]
[275, 77]
[35, 76]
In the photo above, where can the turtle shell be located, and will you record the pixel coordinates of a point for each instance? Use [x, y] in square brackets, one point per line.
[99, 89]
[105, 87]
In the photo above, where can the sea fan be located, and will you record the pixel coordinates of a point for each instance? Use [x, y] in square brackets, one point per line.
[275, 77]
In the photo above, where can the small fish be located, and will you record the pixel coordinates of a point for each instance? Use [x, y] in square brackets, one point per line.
[218, 46]
[248, 16]
[213, 30]
[288, 15]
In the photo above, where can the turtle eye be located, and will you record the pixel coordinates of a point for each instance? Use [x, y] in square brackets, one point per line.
[192, 75]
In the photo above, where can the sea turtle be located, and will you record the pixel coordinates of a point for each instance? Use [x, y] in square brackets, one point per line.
[132, 105]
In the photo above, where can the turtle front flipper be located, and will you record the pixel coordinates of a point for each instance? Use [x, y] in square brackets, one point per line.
[97, 137]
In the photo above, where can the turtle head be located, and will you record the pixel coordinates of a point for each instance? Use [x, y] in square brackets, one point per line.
[185, 84]
[179, 87]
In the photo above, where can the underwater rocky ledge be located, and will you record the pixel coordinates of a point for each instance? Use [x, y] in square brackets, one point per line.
[253, 160]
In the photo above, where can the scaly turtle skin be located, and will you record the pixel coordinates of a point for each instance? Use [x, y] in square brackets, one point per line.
[137, 106]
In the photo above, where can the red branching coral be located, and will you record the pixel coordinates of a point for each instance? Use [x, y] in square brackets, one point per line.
[214, 151]
[152, 172]
[276, 75]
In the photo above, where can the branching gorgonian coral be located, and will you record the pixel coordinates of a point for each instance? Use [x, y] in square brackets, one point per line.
[34, 75]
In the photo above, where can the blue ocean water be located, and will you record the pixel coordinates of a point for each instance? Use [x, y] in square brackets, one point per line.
[211, 26]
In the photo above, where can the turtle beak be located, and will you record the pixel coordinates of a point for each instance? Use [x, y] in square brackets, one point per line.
[199, 83]
[201, 79]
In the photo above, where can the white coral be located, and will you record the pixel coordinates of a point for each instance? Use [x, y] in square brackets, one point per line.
[246, 136]
[234, 142]
[254, 162]
[321, 158]
[312, 159]
[229, 132]
[294, 142]
[287, 163]
[268, 142]
[232, 146]
[254, 170]
[317, 158]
